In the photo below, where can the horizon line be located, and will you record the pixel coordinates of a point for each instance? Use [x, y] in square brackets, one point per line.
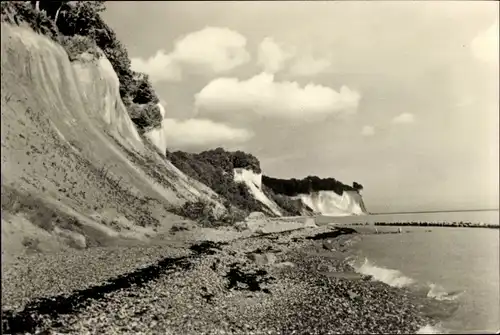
[438, 211]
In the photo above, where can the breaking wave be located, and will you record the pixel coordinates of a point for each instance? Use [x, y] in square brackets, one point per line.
[428, 329]
[439, 293]
[397, 279]
[391, 277]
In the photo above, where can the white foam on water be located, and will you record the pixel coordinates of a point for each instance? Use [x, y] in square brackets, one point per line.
[428, 329]
[437, 329]
[438, 292]
[391, 277]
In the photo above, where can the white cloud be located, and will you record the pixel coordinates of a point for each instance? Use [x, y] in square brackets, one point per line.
[202, 133]
[404, 118]
[368, 131]
[287, 99]
[210, 50]
[485, 45]
[310, 66]
[160, 67]
[272, 56]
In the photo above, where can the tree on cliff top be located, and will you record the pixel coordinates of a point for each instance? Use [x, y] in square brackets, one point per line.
[214, 168]
[357, 186]
[293, 187]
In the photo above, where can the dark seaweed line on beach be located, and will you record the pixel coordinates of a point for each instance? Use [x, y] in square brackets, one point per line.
[30, 318]
[333, 234]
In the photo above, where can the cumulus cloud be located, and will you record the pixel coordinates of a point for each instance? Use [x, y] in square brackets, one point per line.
[485, 45]
[404, 118]
[210, 50]
[202, 133]
[310, 66]
[368, 131]
[263, 95]
[272, 56]
[159, 67]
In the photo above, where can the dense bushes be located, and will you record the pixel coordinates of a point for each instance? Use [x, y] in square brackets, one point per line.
[290, 207]
[145, 116]
[203, 213]
[358, 187]
[18, 12]
[241, 159]
[77, 45]
[197, 211]
[142, 89]
[214, 168]
[79, 28]
[293, 187]
[225, 160]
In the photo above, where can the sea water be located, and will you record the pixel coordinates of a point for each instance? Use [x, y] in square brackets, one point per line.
[457, 268]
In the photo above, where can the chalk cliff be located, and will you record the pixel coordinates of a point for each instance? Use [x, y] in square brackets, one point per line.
[85, 162]
[70, 149]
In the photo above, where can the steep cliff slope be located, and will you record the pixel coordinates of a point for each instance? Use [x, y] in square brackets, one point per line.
[235, 176]
[70, 150]
[84, 145]
[330, 203]
[326, 196]
[253, 181]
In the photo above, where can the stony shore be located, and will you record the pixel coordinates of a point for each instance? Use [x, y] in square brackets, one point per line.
[275, 283]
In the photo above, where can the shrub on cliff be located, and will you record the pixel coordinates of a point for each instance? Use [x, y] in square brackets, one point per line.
[19, 12]
[79, 17]
[356, 186]
[142, 90]
[145, 116]
[247, 161]
[77, 45]
[289, 206]
[214, 168]
[197, 211]
[203, 213]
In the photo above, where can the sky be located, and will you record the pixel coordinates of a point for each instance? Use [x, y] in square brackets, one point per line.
[399, 96]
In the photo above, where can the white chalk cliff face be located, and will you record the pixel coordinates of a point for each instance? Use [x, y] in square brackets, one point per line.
[63, 121]
[330, 203]
[322, 202]
[254, 183]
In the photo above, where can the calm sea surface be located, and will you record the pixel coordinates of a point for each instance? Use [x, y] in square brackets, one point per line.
[457, 268]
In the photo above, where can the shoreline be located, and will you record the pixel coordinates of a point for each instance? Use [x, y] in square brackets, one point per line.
[277, 283]
[441, 303]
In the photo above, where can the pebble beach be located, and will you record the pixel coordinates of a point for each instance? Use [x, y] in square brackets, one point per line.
[279, 283]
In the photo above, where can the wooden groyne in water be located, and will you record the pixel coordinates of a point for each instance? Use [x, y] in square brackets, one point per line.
[439, 224]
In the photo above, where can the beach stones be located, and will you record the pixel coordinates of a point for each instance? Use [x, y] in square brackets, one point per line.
[329, 245]
[263, 259]
[256, 216]
[240, 226]
[284, 265]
